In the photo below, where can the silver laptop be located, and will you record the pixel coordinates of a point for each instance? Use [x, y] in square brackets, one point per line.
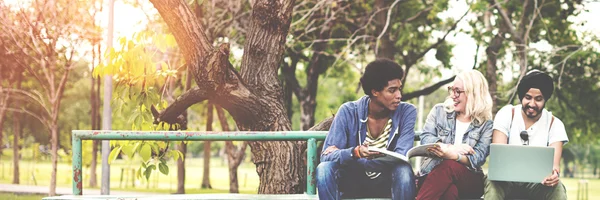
[520, 163]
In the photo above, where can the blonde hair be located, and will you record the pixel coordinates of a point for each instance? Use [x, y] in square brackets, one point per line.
[479, 102]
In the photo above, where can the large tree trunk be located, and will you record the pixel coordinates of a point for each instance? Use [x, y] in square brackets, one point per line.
[255, 98]
[206, 158]
[235, 154]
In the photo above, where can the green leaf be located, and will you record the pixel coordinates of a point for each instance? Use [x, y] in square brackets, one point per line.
[181, 155]
[148, 171]
[163, 168]
[175, 154]
[128, 150]
[146, 152]
[113, 154]
[161, 145]
[138, 173]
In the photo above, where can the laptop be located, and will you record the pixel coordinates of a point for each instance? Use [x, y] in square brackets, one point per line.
[520, 163]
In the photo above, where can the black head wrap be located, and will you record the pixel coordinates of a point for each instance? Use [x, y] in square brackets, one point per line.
[536, 79]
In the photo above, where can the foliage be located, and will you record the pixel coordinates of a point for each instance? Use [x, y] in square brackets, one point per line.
[141, 70]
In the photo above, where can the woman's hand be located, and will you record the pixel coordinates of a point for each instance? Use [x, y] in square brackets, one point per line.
[442, 150]
[464, 149]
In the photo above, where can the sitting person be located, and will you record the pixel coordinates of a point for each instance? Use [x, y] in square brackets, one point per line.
[462, 127]
[542, 128]
[348, 169]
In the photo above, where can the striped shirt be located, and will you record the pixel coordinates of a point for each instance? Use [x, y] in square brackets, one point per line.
[379, 142]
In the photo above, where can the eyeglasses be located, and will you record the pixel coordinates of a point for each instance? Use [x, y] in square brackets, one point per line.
[525, 137]
[454, 92]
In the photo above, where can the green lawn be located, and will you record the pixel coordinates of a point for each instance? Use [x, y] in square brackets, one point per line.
[38, 173]
[11, 196]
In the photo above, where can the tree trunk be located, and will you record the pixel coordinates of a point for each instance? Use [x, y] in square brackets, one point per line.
[491, 71]
[206, 158]
[254, 98]
[386, 47]
[94, 103]
[235, 154]
[17, 129]
[54, 153]
[181, 169]
[182, 146]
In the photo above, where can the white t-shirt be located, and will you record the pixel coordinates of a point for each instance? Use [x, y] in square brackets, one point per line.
[460, 130]
[540, 134]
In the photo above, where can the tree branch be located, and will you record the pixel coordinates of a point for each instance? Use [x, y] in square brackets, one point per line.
[506, 20]
[172, 113]
[413, 60]
[427, 90]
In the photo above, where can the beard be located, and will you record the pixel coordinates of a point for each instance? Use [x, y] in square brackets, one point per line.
[537, 110]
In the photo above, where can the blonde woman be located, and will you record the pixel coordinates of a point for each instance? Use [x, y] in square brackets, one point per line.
[462, 126]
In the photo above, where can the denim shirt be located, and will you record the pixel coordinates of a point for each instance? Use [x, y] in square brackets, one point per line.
[440, 127]
[348, 130]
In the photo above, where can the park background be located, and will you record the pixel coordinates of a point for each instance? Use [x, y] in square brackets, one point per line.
[54, 62]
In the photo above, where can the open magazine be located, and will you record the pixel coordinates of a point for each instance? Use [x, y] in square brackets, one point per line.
[420, 150]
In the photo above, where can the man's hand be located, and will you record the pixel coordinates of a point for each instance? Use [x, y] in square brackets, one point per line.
[330, 149]
[551, 180]
[364, 152]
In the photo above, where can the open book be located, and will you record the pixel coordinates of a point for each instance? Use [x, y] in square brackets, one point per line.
[420, 150]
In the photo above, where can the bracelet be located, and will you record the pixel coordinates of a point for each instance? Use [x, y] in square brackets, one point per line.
[557, 174]
[459, 157]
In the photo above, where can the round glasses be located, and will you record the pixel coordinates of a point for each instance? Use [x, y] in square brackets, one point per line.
[454, 92]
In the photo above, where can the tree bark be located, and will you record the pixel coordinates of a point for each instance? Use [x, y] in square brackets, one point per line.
[182, 146]
[386, 48]
[254, 98]
[94, 105]
[17, 129]
[492, 68]
[235, 154]
[206, 158]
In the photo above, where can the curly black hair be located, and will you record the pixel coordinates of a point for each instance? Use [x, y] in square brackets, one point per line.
[378, 73]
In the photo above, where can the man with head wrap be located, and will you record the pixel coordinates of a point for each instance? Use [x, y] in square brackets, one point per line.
[530, 124]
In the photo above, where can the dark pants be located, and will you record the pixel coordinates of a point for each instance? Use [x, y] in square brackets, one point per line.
[335, 181]
[450, 180]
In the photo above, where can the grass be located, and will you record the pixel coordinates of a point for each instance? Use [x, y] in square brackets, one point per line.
[38, 173]
[12, 196]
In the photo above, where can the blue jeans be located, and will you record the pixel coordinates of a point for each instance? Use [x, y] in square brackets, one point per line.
[335, 181]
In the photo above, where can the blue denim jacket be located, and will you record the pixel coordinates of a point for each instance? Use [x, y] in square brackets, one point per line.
[348, 130]
[439, 127]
